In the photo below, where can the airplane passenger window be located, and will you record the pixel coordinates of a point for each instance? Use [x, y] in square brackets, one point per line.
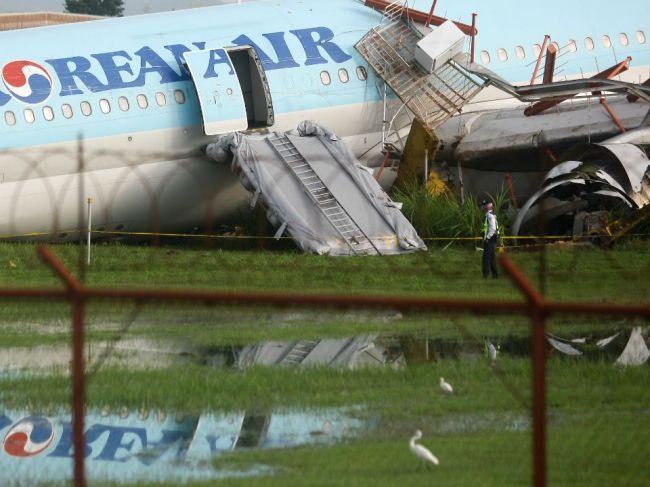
[48, 113]
[29, 115]
[325, 78]
[520, 52]
[607, 42]
[86, 109]
[622, 38]
[104, 105]
[640, 37]
[179, 96]
[160, 99]
[123, 103]
[10, 118]
[485, 57]
[572, 45]
[589, 43]
[361, 73]
[537, 49]
[343, 75]
[142, 101]
[66, 110]
[503, 55]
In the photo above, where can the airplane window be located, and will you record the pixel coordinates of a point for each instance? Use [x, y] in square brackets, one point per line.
[48, 113]
[29, 115]
[640, 37]
[10, 118]
[361, 73]
[485, 57]
[179, 96]
[343, 75]
[160, 99]
[86, 109]
[503, 55]
[520, 52]
[104, 105]
[589, 43]
[556, 46]
[622, 38]
[66, 110]
[607, 42]
[123, 103]
[537, 49]
[142, 101]
[325, 78]
[572, 45]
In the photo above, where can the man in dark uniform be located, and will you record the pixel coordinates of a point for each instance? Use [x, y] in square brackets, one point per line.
[490, 236]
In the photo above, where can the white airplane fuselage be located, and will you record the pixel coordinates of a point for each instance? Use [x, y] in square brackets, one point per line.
[118, 110]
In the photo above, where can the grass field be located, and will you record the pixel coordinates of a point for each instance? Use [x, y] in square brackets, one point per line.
[599, 427]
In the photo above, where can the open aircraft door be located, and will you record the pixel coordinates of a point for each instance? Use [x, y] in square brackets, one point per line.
[219, 91]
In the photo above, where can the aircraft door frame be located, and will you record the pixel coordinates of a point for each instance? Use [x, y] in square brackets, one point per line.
[218, 90]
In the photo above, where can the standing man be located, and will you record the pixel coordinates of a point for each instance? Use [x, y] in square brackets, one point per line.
[490, 236]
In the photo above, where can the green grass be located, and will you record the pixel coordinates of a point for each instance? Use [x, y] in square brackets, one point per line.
[599, 426]
[572, 273]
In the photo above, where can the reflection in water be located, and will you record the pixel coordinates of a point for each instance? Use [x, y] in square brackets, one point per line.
[376, 350]
[155, 447]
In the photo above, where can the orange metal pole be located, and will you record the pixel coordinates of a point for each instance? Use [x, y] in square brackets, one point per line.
[473, 35]
[549, 64]
[383, 164]
[618, 123]
[539, 59]
[550, 155]
[433, 6]
[511, 190]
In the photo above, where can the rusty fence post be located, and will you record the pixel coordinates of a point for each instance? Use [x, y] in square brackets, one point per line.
[537, 314]
[75, 294]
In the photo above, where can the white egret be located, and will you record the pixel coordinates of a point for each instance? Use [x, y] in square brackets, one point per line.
[492, 353]
[420, 451]
[446, 386]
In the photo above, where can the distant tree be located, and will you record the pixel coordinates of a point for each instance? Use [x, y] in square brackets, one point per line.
[109, 8]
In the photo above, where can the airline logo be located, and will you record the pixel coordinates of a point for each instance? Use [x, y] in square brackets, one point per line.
[27, 81]
[31, 82]
[28, 437]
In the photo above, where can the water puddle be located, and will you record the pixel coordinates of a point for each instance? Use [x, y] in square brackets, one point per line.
[155, 446]
[376, 350]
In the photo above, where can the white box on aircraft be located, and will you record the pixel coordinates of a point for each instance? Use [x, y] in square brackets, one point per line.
[437, 47]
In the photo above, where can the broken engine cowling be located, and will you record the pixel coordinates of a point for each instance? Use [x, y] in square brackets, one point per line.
[594, 185]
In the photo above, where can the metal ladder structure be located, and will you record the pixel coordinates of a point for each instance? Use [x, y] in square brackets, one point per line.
[434, 97]
[298, 353]
[322, 197]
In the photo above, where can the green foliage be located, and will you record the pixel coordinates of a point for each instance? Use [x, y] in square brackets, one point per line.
[445, 215]
[108, 8]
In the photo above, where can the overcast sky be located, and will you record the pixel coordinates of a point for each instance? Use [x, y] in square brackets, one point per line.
[131, 7]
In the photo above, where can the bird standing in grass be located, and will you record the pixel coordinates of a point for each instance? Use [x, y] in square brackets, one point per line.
[492, 353]
[420, 451]
[446, 386]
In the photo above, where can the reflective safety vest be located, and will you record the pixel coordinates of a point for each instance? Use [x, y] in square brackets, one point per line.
[486, 225]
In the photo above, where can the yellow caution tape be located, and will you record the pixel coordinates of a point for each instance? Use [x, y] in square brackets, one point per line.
[388, 239]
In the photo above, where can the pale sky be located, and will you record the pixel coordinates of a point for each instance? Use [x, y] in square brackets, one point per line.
[131, 7]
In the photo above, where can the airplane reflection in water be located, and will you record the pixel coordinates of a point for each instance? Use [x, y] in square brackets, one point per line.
[154, 446]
